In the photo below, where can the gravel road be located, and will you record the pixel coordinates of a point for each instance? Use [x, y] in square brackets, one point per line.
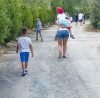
[78, 76]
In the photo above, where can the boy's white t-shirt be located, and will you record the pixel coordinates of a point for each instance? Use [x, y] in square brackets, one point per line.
[80, 16]
[24, 43]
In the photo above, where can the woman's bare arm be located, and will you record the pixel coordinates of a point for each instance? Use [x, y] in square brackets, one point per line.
[58, 24]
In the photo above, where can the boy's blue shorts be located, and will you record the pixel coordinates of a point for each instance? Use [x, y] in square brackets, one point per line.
[38, 30]
[24, 56]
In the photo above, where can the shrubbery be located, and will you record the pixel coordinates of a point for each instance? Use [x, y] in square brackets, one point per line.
[95, 14]
[15, 14]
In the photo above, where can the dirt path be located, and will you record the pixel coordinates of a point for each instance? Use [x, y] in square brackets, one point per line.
[78, 76]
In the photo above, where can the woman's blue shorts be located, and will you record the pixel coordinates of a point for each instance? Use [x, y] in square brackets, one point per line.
[61, 34]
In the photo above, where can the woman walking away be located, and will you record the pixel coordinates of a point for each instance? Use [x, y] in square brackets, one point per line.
[63, 32]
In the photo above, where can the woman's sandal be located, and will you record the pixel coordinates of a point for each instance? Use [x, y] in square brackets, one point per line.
[60, 55]
[64, 57]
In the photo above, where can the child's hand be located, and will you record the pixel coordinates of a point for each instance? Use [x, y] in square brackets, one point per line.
[69, 27]
[32, 55]
[17, 48]
[16, 51]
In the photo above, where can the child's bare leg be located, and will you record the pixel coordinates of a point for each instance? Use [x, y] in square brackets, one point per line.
[23, 68]
[41, 36]
[26, 65]
[36, 35]
[23, 65]
[70, 31]
[71, 35]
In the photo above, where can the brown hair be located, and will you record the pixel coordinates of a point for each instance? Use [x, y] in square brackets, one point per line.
[24, 30]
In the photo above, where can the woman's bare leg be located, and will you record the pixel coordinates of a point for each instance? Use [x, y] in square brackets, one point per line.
[60, 44]
[65, 46]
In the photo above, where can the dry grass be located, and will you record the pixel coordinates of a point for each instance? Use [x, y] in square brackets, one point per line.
[90, 28]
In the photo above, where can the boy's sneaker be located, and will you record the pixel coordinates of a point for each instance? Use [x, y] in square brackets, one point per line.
[72, 36]
[23, 73]
[26, 71]
[41, 40]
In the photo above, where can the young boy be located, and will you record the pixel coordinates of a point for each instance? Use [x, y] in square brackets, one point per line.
[39, 29]
[80, 17]
[24, 46]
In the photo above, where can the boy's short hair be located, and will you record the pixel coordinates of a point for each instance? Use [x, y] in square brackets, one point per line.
[39, 17]
[24, 30]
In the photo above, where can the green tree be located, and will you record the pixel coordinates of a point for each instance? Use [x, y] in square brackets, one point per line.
[27, 18]
[4, 22]
[95, 14]
[13, 12]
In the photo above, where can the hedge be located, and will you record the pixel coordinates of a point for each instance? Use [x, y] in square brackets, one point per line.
[95, 14]
[15, 14]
